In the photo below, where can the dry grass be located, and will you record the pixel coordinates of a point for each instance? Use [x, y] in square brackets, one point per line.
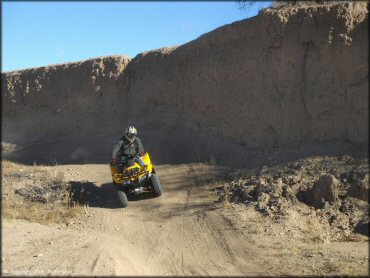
[40, 213]
[37, 194]
[338, 267]
[300, 4]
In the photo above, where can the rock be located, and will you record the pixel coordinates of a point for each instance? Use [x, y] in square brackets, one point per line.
[257, 191]
[238, 194]
[296, 178]
[274, 201]
[278, 189]
[295, 188]
[287, 191]
[39, 255]
[262, 182]
[279, 181]
[345, 206]
[360, 189]
[263, 199]
[362, 228]
[310, 173]
[248, 192]
[355, 176]
[292, 179]
[340, 221]
[324, 190]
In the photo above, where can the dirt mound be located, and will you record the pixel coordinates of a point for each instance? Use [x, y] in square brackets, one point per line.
[317, 190]
[287, 77]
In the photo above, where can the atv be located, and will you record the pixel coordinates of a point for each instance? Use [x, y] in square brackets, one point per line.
[135, 179]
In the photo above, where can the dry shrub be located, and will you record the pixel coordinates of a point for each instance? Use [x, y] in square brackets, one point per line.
[37, 194]
[45, 187]
[299, 4]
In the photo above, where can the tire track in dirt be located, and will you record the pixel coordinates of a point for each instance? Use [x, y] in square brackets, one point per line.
[196, 180]
[180, 233]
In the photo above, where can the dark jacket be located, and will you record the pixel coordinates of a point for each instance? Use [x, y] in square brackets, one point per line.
[126, 148]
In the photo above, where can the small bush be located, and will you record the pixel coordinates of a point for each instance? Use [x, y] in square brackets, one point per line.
[45, 188]
[37, 194]
[292, 4]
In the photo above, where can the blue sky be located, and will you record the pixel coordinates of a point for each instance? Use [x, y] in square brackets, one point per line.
[42, 33]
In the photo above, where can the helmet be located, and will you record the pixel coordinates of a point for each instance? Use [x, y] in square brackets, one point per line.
[131, 133]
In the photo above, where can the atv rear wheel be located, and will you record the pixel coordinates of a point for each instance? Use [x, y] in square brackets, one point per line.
[122, 198]
[156, 185]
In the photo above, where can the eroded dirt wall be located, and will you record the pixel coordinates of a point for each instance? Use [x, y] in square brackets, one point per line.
[283, 78]
[70, 99]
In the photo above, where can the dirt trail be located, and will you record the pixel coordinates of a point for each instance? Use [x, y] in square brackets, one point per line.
[183, 232]
[180, 233]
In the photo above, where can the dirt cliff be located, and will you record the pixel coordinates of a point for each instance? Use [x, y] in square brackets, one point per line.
[287, 77]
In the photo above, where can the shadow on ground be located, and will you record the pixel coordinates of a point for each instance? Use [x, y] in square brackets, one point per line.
[103, 196]
[224, 153]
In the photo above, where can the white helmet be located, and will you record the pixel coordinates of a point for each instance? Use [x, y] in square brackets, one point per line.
[131, 133]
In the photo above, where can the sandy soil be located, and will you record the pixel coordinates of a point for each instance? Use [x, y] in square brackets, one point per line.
[183, 232]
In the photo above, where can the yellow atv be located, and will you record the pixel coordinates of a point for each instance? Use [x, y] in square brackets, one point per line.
[136, 179]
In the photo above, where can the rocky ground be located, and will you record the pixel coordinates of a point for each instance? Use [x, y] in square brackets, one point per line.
[324, 198]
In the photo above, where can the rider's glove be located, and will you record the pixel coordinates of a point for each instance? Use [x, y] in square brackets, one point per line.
[114, 161]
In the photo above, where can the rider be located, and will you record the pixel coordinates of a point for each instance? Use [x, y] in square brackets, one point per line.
[129, 148]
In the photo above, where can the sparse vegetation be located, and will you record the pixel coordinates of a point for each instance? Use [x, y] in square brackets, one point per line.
[37, 194]
[278, 4]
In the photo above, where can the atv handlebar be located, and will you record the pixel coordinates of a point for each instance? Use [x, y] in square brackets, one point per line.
[122, 158]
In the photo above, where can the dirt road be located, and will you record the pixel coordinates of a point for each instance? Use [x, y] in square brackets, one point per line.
[181, 233]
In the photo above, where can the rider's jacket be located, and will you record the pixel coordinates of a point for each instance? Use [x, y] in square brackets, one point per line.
[126, 148]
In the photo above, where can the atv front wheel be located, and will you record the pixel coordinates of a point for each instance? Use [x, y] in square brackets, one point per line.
[156, 185]
[122, 198]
